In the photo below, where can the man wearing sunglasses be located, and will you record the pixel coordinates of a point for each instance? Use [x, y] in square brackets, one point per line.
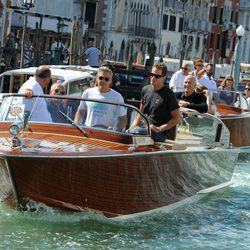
[159, 104]
[177, 80]
[99, 114]
[199, 71]
[212, 87]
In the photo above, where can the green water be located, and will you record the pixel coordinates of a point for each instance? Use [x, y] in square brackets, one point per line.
[218, 221]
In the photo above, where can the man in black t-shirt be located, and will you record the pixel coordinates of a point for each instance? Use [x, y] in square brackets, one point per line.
[191, 99]
[159, 104]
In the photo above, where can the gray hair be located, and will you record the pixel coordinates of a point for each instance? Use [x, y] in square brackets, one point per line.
[105, 69]
[43, 71]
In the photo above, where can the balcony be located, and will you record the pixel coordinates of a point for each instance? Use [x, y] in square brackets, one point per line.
[134, 30]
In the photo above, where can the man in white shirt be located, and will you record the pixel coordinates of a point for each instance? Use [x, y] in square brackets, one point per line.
[199, 71]
[209, 75]
[100, 114]
[37, 107]
[177, 80]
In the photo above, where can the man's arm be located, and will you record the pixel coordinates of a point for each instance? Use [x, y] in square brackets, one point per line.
[79, 116]
[200, 107]
[171, 123]
[137, 119]
[122, 122]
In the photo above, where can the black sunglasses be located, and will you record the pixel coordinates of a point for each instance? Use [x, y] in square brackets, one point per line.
[105, 78]
[59, 91]
[156, 75]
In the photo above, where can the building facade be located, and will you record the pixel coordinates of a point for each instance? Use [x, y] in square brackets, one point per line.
[132, 29]
[244, 20]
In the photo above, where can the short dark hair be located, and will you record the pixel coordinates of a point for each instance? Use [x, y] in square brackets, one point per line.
[210, 64]
[43, 71]
[161, 66]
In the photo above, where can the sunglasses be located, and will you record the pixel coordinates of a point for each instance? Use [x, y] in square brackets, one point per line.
[247, 89]
[200, 65]
[156, 75]
[230, 79]
[103, 78]
[59, 91]
[184, 68]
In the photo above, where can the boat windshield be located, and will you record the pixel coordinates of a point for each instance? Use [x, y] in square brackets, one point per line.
[201, 129]
[232, 98]
[73, 110]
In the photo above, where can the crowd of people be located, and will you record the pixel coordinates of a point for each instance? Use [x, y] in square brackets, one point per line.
[59, 52]
[159, 103]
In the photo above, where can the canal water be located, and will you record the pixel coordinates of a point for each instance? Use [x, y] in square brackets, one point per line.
[218, 221]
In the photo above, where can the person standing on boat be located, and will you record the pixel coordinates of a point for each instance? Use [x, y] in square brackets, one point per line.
[177, 80]
[37, 107]
[159, 104]
[190, 98]
[199, 72]
[99, 114]
[212, 87]
[247, 93]
[93, 55]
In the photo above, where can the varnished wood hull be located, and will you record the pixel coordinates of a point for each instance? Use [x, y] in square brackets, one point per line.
[238, 123]
[239, 128]
[121, 184]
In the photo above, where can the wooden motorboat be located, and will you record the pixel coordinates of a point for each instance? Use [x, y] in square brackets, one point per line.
[81, 168]
[236, 116]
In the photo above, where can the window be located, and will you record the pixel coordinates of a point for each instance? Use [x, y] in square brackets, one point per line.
[236, 17]
[172, 23]
[221, 15]
[212, 41]
[180, 25]
[215, 14]
[218, 41]
[165, 22]
[90, 14]
[231, 18]
[197, 42]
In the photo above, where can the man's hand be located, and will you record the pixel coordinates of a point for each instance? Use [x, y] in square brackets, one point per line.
[155, 128]
[28, 93]
[183, 103]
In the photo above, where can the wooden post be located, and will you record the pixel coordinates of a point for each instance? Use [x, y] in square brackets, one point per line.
[23, 39]
[76, 42]
[72, 41]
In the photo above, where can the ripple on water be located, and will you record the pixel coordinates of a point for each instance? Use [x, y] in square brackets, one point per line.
[218, 221]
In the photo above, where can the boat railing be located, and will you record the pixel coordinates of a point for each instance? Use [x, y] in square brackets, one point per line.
[63, 109]
[202, 129]
[231, 98]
